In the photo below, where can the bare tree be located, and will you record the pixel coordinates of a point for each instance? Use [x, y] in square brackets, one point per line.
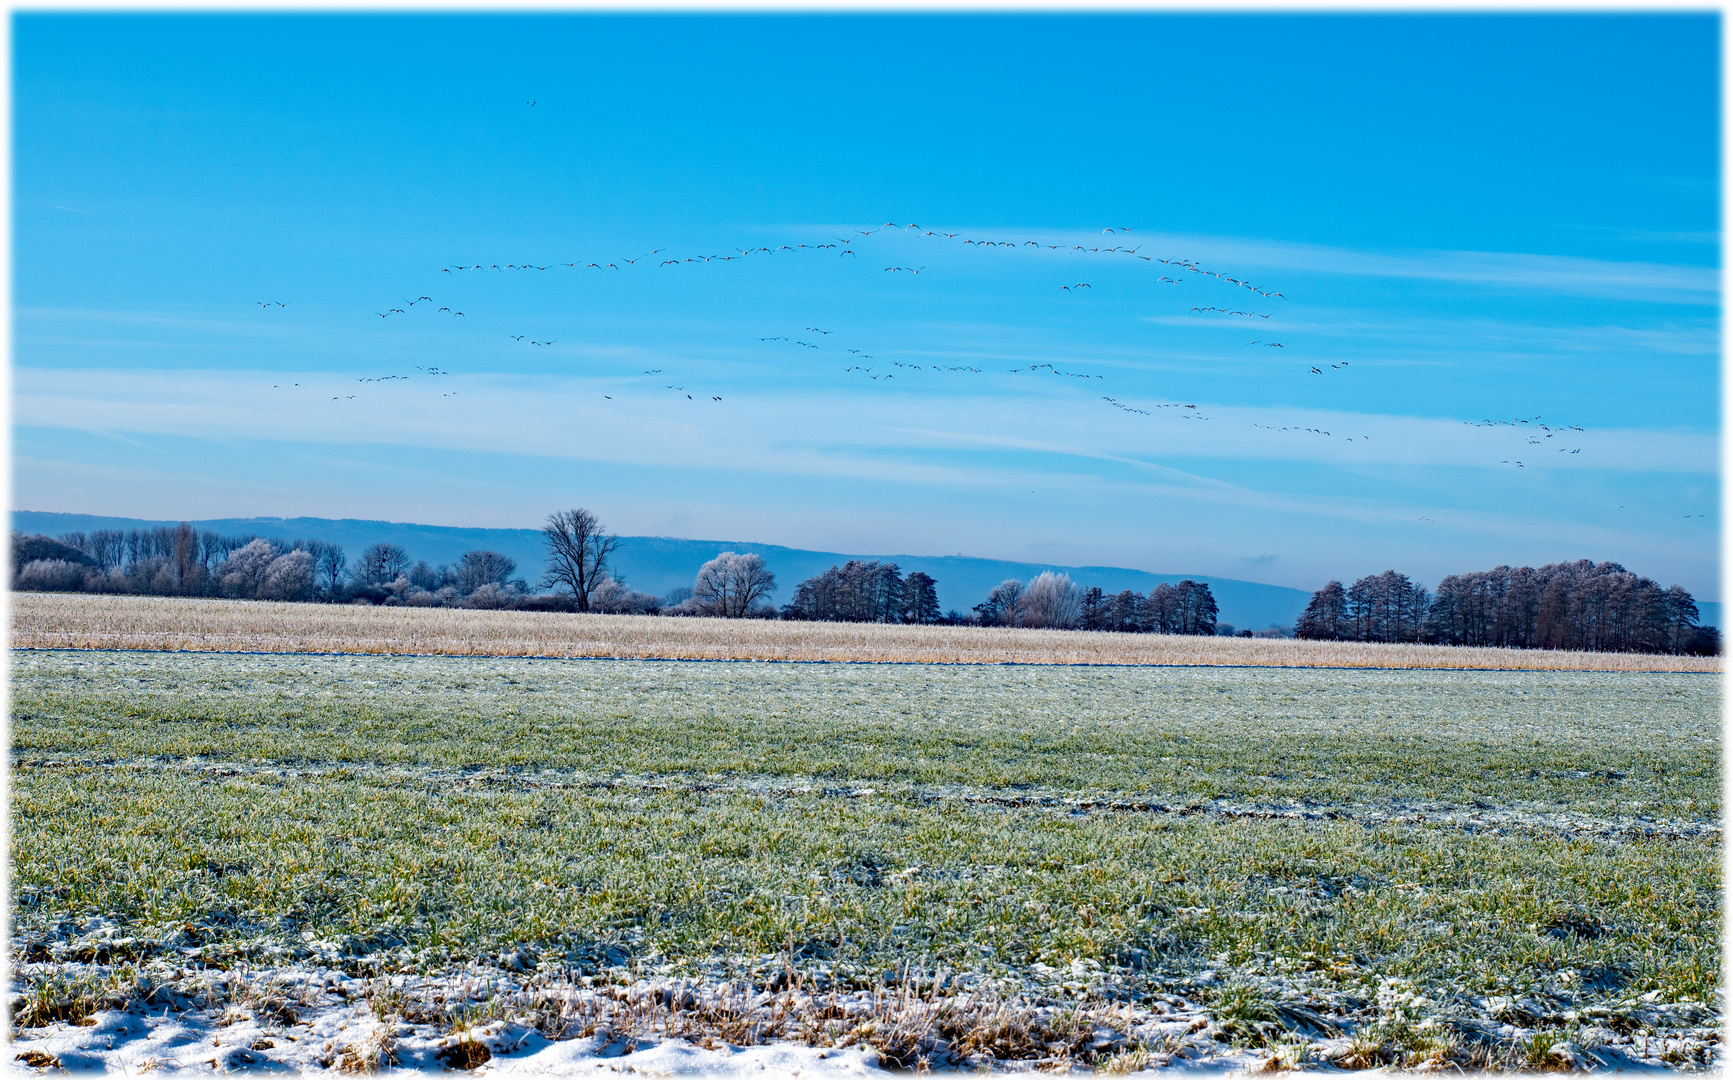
[1326, 616]
[329, 561]
[578, 551]
[1092, 608]
[189, 568]
[920, 599]
[1000, 607]
[380, 564]
[1197, 608]
[1386, 607]
[856, 591]
[476, 568]
[1125, 612]
[430, 579]
[1682, 618]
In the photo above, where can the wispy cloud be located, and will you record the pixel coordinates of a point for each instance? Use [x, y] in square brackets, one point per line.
[1327, 328]
[1635, 281]
[804, 432]
[1573, 275]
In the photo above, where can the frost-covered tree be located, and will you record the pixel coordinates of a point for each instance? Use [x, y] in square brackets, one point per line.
[489, 596]
[243, 572]
[52, 575]
[1049, 600]
[612, 597]
[731, 585]
[289, 576]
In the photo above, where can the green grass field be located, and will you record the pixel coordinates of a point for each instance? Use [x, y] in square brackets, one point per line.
[1534, 848]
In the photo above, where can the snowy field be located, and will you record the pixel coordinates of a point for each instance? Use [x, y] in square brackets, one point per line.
[589, 867]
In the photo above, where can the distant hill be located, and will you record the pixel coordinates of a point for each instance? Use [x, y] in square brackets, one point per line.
[657, 564]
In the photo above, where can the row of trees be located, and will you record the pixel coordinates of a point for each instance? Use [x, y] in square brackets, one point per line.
[173, 561]
[1578, 605]
[860, 591]
[1601, 607]
[1053, 600]
[1183, 607]
[181, 561]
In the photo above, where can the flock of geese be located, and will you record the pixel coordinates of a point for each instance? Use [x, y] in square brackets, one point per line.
[857, 362]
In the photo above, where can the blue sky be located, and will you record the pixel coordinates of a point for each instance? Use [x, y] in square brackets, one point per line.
[1469, 218]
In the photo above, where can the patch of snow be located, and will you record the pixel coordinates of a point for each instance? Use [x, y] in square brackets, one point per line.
[349, 1037]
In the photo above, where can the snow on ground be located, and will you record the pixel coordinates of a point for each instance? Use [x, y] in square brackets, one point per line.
[317, 1014]
[337, 1027]
[348, 1038]
[341, 1030]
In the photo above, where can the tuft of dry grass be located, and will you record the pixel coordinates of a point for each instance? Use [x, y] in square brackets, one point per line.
[76, 621]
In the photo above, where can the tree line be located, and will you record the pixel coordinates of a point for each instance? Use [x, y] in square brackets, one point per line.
[1582, 605]
[1579, 605]
[1053, 600]
[860, 591]
[182, 561]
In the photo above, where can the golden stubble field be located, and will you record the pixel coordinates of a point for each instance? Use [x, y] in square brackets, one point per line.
[73, 621]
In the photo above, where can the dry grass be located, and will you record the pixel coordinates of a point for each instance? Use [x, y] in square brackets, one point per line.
[74, 621]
